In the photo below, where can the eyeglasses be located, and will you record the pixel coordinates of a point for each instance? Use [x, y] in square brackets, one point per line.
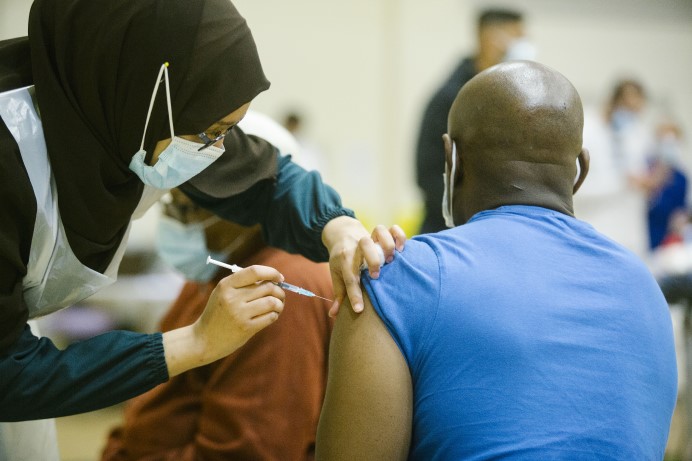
[210, 141]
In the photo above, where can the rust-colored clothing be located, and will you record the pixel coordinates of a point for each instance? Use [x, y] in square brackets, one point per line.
[260, 403]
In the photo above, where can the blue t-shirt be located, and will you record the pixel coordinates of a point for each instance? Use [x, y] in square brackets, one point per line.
[529, 335]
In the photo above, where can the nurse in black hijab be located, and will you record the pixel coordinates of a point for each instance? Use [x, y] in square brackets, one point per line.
[120, 101]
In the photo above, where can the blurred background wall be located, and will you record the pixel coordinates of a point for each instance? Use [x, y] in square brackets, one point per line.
[361, 72]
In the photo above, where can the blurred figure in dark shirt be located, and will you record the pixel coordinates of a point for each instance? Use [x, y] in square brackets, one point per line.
[501, 37]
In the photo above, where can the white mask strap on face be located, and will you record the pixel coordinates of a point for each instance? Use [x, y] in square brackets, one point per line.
[451, 179]
[211, 220]
[234, 245]
[163, 71]
[448, 195]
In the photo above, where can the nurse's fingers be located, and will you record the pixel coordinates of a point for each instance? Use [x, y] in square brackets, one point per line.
[254, 274]
[344, 267]
[373, 256]
[390, 239]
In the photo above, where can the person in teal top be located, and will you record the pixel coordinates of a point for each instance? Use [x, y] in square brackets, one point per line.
[103, 108]
[520, 334]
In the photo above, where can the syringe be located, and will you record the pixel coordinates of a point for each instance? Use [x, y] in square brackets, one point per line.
[286, 286]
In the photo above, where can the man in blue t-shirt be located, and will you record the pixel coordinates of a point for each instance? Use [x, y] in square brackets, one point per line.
[522, 333]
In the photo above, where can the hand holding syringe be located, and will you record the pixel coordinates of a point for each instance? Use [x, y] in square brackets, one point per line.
[286, 286]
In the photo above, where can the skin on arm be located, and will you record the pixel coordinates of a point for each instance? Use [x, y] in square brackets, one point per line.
[368, 406]
[241, 305]
[349, 245]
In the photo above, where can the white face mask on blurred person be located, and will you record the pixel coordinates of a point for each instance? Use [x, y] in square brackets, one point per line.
[622, 119]
[184, 247]
[520, 49]
[669, 150]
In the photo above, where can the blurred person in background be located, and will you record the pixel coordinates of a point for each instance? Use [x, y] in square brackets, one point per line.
[620, 139]
[665, 186]
[261, 402]
[672, 264]
[501, 37]
[670, 234]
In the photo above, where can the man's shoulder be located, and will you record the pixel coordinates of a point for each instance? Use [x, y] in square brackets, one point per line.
[410, 284]
[419, 250]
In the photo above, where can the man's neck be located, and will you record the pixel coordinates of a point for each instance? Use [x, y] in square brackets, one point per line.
[544, 199]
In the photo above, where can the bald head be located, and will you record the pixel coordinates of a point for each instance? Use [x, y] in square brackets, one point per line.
[518, 129]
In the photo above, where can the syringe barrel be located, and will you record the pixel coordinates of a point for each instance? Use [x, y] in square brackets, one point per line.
[295, 289]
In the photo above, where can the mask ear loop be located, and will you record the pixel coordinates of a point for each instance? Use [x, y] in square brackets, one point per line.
[234, 245]
[452, 177]
[163, 71]
[210, 221]
[576, 177]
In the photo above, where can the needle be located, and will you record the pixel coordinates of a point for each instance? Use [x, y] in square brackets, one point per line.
[284, 285]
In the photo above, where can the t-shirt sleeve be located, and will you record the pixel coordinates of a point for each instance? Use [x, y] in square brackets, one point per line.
[406, 296]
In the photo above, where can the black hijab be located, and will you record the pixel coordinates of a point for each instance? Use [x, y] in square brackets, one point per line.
[94, 66]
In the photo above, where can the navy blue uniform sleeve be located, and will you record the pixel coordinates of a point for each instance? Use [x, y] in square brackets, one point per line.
[37, 380]
[292, 208]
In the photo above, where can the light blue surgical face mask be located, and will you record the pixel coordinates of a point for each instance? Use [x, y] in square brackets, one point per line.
[180, 161]
[448, 194]
[520, 49]
[622, 119]
[184, 247]
[668, 150]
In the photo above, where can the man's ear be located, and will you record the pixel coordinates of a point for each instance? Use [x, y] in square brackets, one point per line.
[583, 158]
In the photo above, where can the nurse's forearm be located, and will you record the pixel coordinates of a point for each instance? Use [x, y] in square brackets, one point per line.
[38, 380]
[301, 208]
[183, 351]
[293, 209]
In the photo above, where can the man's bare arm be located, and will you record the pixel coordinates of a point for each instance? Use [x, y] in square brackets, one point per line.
[368, 406]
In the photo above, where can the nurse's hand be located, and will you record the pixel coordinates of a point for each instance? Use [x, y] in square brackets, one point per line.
[350, 245]
[241, 305]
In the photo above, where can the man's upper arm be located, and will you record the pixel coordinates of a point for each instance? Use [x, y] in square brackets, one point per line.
[367, 409]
